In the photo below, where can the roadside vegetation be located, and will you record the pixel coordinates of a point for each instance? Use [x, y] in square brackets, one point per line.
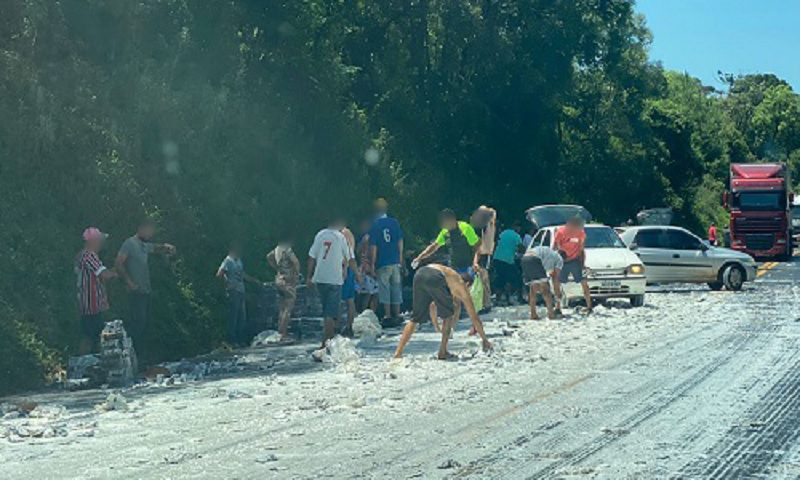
[249, 119]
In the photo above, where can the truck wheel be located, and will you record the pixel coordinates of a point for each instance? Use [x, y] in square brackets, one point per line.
[716, 286]
[637, 301]
[733, 277]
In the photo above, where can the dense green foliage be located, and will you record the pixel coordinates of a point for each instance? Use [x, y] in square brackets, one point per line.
[250, 119]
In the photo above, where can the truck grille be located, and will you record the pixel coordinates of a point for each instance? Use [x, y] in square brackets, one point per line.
[750, 224]
[763, 241]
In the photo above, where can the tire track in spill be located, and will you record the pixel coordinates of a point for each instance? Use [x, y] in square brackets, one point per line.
[653, 405]
[750, 450]
[497, 456]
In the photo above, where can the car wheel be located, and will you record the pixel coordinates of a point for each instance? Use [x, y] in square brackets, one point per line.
[716, 286]
[733, 277]
[637, 301]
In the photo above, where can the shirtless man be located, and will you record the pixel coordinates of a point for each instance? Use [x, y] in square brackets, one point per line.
[444, 288]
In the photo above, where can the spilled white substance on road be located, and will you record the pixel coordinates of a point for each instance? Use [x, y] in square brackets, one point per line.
[547, 385]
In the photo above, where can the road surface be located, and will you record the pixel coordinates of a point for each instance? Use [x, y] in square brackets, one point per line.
[697, 384]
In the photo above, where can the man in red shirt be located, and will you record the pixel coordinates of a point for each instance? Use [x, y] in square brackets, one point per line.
[569, 241]
[712, 234]
[92, 298]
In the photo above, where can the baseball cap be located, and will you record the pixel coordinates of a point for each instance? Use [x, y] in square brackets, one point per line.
[94, 233]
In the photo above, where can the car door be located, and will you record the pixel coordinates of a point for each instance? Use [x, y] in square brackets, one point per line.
[689, 257]
[653, 249]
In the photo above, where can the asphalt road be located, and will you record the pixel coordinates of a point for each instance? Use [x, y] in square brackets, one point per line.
[696, 384]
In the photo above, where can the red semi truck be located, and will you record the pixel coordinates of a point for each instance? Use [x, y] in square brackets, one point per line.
[760, 203]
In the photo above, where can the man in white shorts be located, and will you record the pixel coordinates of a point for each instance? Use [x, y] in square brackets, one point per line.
[537, 264]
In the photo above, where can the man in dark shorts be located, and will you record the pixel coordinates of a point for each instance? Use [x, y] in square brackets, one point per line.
[459, 240]
[570, 241]
[443, 287]
[537, 264]
[92, 297]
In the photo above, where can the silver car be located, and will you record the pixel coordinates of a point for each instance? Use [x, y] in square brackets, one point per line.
[675, 255]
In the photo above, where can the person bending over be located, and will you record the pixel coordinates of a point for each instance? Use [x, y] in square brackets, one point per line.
[443, 287]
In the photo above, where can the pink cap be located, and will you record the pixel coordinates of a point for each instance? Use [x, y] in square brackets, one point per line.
[94, 233]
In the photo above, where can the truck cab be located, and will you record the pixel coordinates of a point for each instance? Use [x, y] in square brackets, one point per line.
[759, 203]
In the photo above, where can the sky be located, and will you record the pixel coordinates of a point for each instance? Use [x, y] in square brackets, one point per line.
[736, 36]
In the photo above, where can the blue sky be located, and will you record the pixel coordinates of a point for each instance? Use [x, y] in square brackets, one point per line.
[736, 36]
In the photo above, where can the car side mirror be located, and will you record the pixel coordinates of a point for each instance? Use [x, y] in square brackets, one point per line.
[704, 247]
[633, 246]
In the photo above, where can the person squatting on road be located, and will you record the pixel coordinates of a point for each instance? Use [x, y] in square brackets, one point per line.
[92, 297]
[386, 254]
[461, 241]
[537, 264]
[442, 287]
[328, 259]
[283, 260]
[232, 272]
[132, 264]
[570, 241]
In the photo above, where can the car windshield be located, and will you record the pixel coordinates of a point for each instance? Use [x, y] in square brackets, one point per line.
[759, 200]
[602, 237]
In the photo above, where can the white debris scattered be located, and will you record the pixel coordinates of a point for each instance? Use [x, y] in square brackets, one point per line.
[366, 326]
[342, 352]
[114, 401]
[267, 337]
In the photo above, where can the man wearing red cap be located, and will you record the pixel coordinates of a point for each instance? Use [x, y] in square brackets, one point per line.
[92, 298]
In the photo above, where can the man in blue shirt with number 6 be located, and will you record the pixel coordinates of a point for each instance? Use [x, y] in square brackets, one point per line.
[386, 251]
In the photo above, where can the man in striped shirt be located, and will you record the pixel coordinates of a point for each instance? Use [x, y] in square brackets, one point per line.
[92, 298]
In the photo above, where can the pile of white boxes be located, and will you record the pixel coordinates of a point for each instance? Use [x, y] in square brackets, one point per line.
[117, 355]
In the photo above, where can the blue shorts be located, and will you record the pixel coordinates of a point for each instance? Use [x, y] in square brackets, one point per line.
[330, 296]
[390, 285]
[349, 287]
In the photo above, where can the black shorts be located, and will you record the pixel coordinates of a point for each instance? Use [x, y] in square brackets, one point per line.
[532, 269]
[506, 274]
[574, 269]
[92, 325]
[430, 285]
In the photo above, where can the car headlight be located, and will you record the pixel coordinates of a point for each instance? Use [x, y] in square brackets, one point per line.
[636, 269]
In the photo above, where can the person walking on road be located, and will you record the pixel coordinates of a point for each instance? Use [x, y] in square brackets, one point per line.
[386, 253]
[570, 241]
[507, 274]
[232, 272]
[328, 258]
[461, 241]
[132, 264]
[283, 260]
[538, 264]
[92, 297]
[443, 287]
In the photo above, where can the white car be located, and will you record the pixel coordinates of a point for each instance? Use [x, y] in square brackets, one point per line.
[612, 270]
[675, 255]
